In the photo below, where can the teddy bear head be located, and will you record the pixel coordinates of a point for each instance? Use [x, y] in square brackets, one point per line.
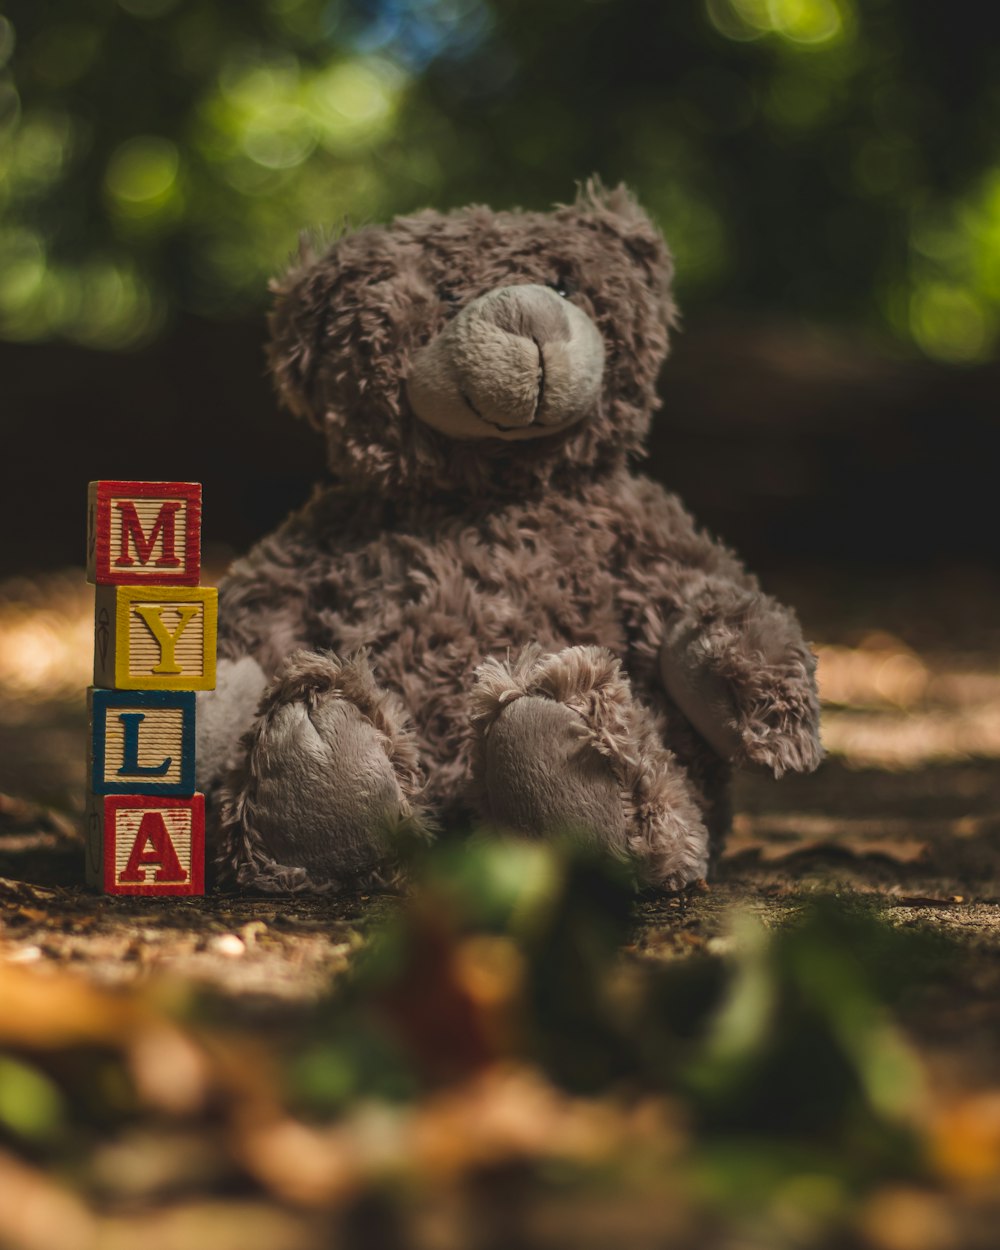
[479, 352]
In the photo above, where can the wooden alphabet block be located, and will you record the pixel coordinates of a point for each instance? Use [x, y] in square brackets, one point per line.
[141, 740]
[141, 844]
[144, 531]
[93, 871]
[155, 637]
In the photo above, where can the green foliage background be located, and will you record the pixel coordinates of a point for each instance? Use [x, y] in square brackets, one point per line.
[832, 159]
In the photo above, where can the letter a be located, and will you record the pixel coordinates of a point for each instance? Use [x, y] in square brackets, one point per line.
[168, 641]
[153, 834]
[164, 528]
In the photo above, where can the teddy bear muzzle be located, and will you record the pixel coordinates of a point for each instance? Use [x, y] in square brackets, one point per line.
[518, 362]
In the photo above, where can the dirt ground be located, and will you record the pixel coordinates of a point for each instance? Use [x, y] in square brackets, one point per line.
[904, 815]
[906, 807]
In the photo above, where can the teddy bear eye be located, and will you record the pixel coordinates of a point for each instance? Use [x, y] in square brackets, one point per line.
[447, 296]
[562, 286]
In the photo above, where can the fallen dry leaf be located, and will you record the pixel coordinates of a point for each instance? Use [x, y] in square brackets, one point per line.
[964, 1138]
[21, 816]
[769, 851]
[506, 1113]
[904, 1218]
[16, 891]
[925, 900]
[37, 1213]
[58, 1012]
[776, 836]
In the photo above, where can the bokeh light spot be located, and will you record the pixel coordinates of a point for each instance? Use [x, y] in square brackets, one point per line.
[810, 23]
[806, 21]
[255, 86]
[38, 150]
[981, 221]
[934, 237]
[354, 102]
[116, 308]
[142, 169]
[10, 105]
[949, 323]
[728, 21]
[22, 272]
[142, 175]
[7, 40]
[280, 138]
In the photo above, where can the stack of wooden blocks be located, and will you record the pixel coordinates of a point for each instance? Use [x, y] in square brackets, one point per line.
[154, 646]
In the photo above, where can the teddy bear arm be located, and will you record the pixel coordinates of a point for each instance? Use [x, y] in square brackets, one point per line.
[735, 662]
[261, 621]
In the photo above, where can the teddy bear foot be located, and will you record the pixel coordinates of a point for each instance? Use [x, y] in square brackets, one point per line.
[329, 784]
[561, 744]
[543, 774]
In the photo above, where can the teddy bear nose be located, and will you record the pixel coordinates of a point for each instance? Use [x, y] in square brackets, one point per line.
[525, 356]
[500, 342]
[515, 362]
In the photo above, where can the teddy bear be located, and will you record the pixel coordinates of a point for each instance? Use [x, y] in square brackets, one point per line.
[486, 618]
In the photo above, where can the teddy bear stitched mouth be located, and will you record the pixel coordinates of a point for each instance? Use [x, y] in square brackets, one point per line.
[541, 380]
[539, 400]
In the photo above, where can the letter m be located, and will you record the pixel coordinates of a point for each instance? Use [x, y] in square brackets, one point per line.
[163, 531]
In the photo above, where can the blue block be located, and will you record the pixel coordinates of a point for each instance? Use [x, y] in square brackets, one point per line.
[141, 741]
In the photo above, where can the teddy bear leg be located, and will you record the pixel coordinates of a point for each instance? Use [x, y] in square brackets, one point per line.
[328, 785]
[561, 743]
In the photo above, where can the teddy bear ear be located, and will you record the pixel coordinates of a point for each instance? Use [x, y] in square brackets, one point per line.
[593, 196]
[297, 323]
[618, 209]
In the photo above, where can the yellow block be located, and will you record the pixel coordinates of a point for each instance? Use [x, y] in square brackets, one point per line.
[155, 637]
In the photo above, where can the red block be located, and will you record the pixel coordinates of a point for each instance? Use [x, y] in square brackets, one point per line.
[146, 844]
[144, 532]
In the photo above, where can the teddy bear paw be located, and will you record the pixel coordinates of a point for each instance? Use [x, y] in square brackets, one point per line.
[779, 732]
[746, 680]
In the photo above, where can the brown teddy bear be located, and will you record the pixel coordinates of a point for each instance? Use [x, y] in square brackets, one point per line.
[488, 617]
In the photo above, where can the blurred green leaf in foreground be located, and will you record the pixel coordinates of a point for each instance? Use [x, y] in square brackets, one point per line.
[500, 1036]
[783, 1053]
